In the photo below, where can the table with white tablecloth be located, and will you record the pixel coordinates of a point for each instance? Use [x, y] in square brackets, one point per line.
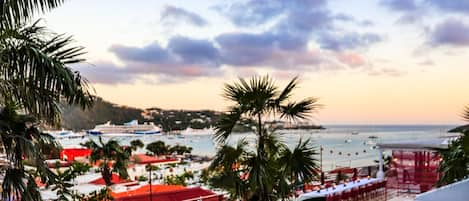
[337, 189]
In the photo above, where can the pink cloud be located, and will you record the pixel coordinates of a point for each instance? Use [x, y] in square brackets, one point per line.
[192, 71]
[351, 59]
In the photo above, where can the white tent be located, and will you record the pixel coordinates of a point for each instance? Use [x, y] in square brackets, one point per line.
[454, 192]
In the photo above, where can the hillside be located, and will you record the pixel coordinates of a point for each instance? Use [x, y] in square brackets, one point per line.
[75, 118]
[102, 111]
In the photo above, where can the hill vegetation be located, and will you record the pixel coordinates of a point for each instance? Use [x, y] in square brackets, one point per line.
[102, 111]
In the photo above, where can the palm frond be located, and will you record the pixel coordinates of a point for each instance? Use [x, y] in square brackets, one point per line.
[300, 163]
[287, 91]
[465, 114]
[227, 156]
[226, 123]
[35, 68]
[299, 110]
[16, 12]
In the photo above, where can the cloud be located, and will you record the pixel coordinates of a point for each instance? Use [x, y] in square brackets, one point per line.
[351, 59]
[245, 49]
[182, 58]
[400, 5]
[256, 12]
[386, 71]
[349, 18]
[180, 51]
[461, 6]
[104, 73]
[450, 32]
[282, 46]
[192, 51]
[150, 53]
[339, 42]
[412, 11]
[427, 62]
[172, 13]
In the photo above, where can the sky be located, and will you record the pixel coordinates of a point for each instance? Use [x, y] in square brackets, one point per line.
[368, 62]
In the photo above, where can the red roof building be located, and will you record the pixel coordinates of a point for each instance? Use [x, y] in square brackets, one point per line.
[69, 154]
[167, 193]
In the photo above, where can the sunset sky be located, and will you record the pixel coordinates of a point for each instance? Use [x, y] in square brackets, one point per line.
[369, 62]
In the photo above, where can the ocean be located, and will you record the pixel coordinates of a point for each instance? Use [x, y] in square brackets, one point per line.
[340, 147]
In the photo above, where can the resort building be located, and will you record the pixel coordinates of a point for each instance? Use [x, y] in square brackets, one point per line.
[413, 167]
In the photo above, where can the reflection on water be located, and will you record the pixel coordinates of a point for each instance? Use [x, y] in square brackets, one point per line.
[340, 147]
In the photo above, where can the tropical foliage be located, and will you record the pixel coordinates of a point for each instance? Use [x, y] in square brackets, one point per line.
[20, 141]
[268, 170]
[178, 179]
[62, 187]
[111, 156]
[34, 77]
[180, 149]
[101, 195]
[160, 148]
[455, 160]
[135, 144]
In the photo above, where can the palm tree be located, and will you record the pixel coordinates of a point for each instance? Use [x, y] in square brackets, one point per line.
[455, 160]
[34, 62]
[158, 148]
[34, 77]
[17, 12]
[112, 158]
[135, 144]
[21, 142]
[65, 181]
[229, 163]
[273, 169]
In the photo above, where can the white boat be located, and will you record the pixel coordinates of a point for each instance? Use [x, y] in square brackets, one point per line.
[132, 127]
[62, 134]
[192, 131]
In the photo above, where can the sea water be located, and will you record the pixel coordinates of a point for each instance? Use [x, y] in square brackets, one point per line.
[339, 146]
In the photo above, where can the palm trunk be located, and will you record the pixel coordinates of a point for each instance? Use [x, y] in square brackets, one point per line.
[260, 148]
[107, 175]
[263, 192]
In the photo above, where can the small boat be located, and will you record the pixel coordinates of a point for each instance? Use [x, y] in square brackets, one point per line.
[372, 137]
[65, 134]
[150, 132]
[369, 142]
[348, 140]
[355, 132]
